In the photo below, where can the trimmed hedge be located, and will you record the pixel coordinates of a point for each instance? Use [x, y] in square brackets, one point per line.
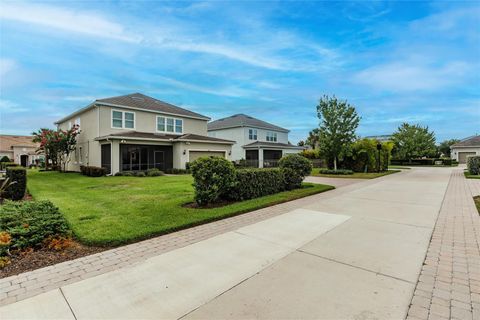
[473, 164]
[178, 171]
[213, 179]
[28, 223]
[337, 172]
[294, 168]
[18, 175]
[423, 162]
[92, 171]
[5, 165]
[254, 183]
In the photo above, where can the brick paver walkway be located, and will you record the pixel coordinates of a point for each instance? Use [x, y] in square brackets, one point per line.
[35, 282]
[449, 283]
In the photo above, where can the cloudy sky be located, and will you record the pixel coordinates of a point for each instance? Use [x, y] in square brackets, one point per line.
[416, 62]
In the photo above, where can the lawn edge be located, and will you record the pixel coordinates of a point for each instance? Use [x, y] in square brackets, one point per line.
[349, 176]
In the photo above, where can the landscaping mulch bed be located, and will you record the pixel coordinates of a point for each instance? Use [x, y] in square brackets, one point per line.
[28, 261]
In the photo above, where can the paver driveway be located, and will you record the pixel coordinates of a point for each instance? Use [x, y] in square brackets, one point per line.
[355, 252]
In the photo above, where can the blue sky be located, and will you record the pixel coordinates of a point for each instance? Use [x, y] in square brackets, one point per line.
[416, 62]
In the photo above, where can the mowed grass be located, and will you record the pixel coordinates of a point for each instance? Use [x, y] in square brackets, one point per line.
[116, 210]
[355, 175]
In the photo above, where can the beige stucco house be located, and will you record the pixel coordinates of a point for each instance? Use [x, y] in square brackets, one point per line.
[136, 132]
[467, 147]
[20, 149]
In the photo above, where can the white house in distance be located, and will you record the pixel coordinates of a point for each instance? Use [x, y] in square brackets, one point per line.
[260, 143]
[467, 147]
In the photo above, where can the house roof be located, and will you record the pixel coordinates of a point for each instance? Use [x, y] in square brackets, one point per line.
[243, 120]
[164, 137]
[7, 142]
[473, 141]
[263, 144]
[142, 102]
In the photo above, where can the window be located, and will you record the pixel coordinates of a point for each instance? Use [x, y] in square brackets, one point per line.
[169, 125]
[129, 120]
[178, 125]
[252, 134]
[271, 136]
[123, 119]
[117, 119]
[161, 124]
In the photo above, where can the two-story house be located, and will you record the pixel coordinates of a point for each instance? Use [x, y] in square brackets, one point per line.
[258, 142]
[137, 132]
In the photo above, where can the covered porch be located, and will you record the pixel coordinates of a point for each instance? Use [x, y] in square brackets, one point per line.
[267, 155]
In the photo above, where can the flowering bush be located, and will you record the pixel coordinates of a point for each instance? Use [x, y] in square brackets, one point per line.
[57, 144]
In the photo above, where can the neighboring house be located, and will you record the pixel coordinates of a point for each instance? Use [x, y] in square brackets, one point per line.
[467, 147]
[260, 143]
[381, 138]
[137, 132]
[20, 149]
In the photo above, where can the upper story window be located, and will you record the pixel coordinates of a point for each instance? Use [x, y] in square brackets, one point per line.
[123, 119]
[252, 134]
[170, 125]
[271, 136]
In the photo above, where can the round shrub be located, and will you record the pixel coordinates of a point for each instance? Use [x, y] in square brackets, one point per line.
[473, 164]
[213, 178]
[154, 172]
[127, 173]
[295, 168]
[140, 174]
[119, 174]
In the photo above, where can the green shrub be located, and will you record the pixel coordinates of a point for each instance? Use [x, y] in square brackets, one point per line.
[364, 157]
[5, 159]
[254, 183]
[154, 172]
[5, 165]
[140, 174]
[447, 162]
[29, 223]
[93, 171]
[213, 178]
[473, 164]
[178, 171]
[337, 172]
[18, 177]
[128, 173]
[311, 154]
[294, 168]
[119, 174]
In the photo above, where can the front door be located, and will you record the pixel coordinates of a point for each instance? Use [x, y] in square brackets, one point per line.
[24, 160]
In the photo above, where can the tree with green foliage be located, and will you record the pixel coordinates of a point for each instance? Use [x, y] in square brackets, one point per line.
[414, 141]
[313, 138]
[338, 122]
[444, 147]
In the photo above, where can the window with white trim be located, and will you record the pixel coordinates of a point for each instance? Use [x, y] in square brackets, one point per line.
[271, 136]
[123, 119]
[252, 134]
[171, 125]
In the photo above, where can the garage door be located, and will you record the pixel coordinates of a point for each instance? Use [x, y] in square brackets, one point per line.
[462, 156]
[194, 155]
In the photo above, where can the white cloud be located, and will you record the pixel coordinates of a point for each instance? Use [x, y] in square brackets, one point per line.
[6, 66]
[411, 76]
[229, 91]
[83, 22]
[7, 106]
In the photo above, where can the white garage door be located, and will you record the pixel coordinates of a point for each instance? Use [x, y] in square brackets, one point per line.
[462, 156]
[194, 155]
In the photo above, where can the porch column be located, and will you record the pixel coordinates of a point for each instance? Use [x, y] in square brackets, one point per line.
[260, 158]
[115, 156]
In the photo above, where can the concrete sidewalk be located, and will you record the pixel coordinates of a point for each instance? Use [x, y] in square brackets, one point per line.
[351, 253]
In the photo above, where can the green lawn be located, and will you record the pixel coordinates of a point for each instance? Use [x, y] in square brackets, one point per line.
[471, 176]
[477, 203]
[355, 175]
[115, 210]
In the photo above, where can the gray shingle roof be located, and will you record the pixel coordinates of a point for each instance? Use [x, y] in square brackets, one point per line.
[243, 120]
[141, 101]
[468, 142]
